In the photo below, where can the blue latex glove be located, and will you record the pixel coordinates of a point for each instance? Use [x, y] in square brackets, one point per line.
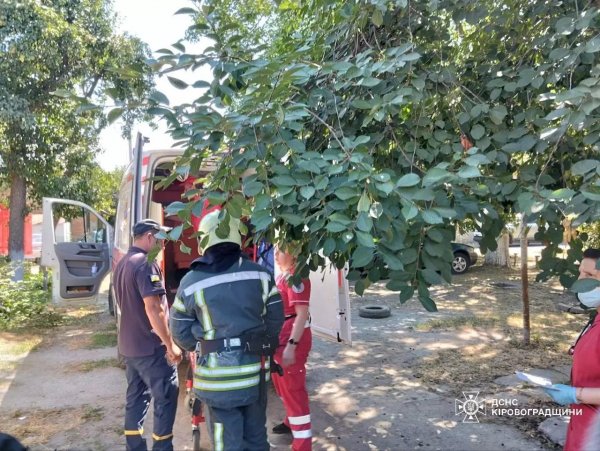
[562, 394]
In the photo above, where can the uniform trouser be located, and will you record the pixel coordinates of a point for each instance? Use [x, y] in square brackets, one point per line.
[150, 377]
[238, 428]
[291, 388]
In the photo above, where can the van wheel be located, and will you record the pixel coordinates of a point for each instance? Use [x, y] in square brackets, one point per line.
[374, 311]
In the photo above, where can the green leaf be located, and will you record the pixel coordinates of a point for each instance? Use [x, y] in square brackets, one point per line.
[201, 84]
[593, 45]
[410, 211]
[329, 246]
[562, 194]
[497, 114]
[307, 192]
[251, 189]
[431, 217]
[467, 172]
[436, 235]
[292, 219]
[408, 180]
[427, 302]
[335, 227]
[434, 175]
[584, 166]
[159, 97]
[176, 232]
[377, 18]
[361, 257]
[64, 93]
[365, 239]
[591, 195]
[430, 276]
[565, 25]
[364, 222]
[186, 11]
[114, 114]
[185, 249]
[363, 203]
[406, 294]
[584, 285]
[477, 131]
[345, 193]
[179, 84]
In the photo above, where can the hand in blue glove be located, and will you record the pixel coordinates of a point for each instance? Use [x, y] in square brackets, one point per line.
[562, 394]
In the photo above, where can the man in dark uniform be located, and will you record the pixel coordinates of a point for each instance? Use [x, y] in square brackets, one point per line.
[145, 341]
[228, 309]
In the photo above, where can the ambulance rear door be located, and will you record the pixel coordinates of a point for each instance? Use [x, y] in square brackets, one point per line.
[330, 304]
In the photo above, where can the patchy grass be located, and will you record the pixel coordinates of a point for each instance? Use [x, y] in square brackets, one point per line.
[91, 365]
[458, 322]
[92, 413]
[103, 339]
[33, 428]
[16, 344]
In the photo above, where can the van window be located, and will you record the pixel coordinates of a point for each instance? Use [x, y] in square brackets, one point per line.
[122, 225]
[77, 225]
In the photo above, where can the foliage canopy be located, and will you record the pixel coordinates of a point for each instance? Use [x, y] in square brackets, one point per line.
[350, 114]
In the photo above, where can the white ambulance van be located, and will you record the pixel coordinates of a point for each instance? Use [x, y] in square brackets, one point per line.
[81, 247]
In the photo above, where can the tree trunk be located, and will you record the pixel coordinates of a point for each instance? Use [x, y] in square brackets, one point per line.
[16, 225]
[525, 286]
[499, 257]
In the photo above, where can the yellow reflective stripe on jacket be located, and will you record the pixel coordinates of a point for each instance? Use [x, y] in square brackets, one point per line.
[238, 276]
[218, 436]
[207, 385]
[229, 370]
[162, 437]
[179, 305]
[134, 432]
[207, 326]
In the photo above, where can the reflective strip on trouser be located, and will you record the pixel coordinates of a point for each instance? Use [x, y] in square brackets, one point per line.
[149, 378]
[291, 388]
[238, 428]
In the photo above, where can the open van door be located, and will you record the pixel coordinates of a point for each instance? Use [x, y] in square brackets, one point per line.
[330, 304]
[76, 245]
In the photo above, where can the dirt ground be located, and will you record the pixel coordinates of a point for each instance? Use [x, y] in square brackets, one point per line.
[397, 387]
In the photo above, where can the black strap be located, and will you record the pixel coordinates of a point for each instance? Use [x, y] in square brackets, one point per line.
[582, 333]
[207, 346]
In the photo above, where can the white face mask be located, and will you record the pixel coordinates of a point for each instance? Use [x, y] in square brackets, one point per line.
[590, 299]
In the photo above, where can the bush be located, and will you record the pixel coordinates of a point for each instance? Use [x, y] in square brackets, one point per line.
[25, 303]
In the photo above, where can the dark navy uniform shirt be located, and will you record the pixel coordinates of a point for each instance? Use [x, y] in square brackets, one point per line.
[134, 278]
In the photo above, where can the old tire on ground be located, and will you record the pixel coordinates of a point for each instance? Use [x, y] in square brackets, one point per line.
[374, 311]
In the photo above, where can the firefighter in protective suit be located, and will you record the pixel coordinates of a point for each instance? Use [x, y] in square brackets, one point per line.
[229, 311]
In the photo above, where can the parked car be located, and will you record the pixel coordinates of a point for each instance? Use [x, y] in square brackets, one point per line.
[464, 257]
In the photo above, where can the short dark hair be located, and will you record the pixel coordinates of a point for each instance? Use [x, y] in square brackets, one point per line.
[592, 253]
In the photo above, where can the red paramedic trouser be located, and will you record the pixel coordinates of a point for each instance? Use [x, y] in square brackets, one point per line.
[291, 388]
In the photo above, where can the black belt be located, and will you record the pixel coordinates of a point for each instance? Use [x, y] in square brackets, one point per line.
[204, 347]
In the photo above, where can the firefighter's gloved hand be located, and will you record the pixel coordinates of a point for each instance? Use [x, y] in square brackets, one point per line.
[562, 394]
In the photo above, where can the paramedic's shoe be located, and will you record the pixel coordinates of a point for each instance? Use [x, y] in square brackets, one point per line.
[281, 428]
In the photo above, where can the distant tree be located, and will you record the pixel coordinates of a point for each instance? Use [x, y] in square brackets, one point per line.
[48, 50]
